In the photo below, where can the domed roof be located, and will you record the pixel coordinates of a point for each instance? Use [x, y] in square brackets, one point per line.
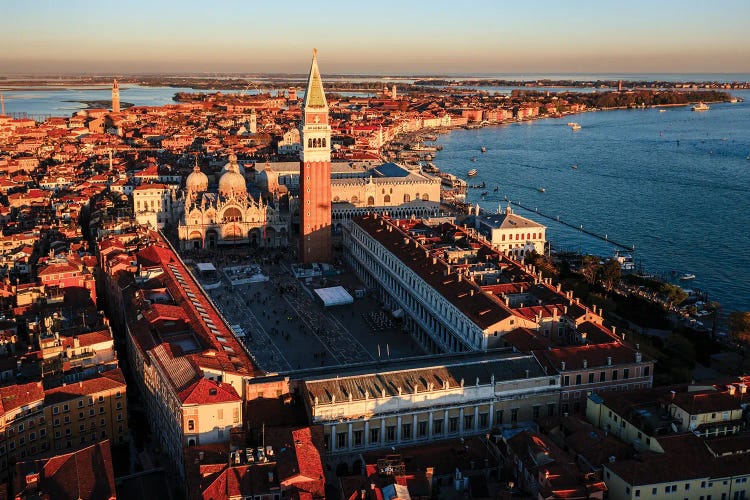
[197, 181]
[232, 182]
[233, 162]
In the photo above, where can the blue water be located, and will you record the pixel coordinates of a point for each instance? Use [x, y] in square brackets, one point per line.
[684, 206]
[65, 102]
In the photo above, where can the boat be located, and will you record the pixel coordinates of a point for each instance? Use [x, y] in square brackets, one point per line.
[626, 261]
[574, 126]
[497, 188]
[574, 167]
[421, 148]
[701, 106]
[478, 186]
[473, 159]
[430, 138]
[472, 172]
[483, 150]
[541, 190]
[662, 110]
[484, 193]
[687, 276]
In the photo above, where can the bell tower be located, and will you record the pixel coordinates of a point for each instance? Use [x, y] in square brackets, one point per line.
[115, 97]
[315, 172]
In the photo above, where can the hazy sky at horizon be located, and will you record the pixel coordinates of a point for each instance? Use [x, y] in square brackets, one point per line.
[382, 37]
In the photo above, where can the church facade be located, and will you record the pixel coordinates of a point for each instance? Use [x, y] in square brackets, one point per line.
[230, 216]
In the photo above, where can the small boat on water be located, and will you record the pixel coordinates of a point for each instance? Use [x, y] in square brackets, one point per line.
[483, 150]
[662, 110]
[574, 126]
[472, 172]
[687, 276]
[701, 106]
[574, 167]
[473, 159]
[497, 188]
[484, 193]
[478, 186]
[541, 190]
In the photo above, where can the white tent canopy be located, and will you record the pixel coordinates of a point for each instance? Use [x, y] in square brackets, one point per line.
[334, 296]
[205, 267]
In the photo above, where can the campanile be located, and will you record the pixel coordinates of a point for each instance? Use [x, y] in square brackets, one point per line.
[315, 172]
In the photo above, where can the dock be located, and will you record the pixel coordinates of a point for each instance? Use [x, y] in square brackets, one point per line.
[603, 237]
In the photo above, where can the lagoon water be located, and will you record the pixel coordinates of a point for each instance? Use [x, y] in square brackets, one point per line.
[675, 184]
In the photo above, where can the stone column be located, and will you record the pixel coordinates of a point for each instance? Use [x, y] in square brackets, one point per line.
[476, 417]
[491, 416]
[461, 421]
[366, 441]
[429, 426]
[349, 441]
[398, 430]
[414, 427]
[333, 437]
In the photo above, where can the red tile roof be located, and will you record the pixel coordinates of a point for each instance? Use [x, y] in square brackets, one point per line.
[208, 392]
[86, 473]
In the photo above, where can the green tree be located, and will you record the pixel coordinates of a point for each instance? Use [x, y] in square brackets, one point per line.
[739, 326]
[609, 274]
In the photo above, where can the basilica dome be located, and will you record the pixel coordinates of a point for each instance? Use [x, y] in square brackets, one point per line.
[233, 162]
[197, 181]
[232, 182]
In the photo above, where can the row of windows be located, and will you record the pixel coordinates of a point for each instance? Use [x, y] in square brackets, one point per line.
[519, 236]
[438, 428]
[590, 378]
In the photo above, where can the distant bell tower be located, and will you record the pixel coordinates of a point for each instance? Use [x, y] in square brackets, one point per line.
[115, 97]
[315, 172]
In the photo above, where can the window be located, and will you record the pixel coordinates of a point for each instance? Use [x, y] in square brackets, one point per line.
[614, 374]
[437, 426]
[390, 433]
[687, 486]
[191, 425]
[80, 403]
[536, 409]
[453, 424]
[65, 408]
[220, 414]
[566, 380]
[551, 410]
[406, 431]
[646, 371]
[626, 373]
[653, 491]
[578, 379]
[513, 415]
[55, 410]
[421, 429]
[468, 422]
[341, 439]
[357, 437]
[591, 378]
[627, 490]
[483, 419]
[374, 435]
[637, 493]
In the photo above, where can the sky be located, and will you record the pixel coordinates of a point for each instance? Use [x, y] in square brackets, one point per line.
[382, 37]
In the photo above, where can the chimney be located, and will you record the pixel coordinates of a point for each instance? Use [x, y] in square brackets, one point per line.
[732, 389]
[609, 360]
[585, 363]
[638, 357]
[562, 365]
[614, 330]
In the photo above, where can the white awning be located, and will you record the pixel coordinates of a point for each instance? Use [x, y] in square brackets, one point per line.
[334, 296]
[205, 267]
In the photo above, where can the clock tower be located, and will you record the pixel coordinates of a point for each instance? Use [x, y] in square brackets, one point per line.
[315, 172]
